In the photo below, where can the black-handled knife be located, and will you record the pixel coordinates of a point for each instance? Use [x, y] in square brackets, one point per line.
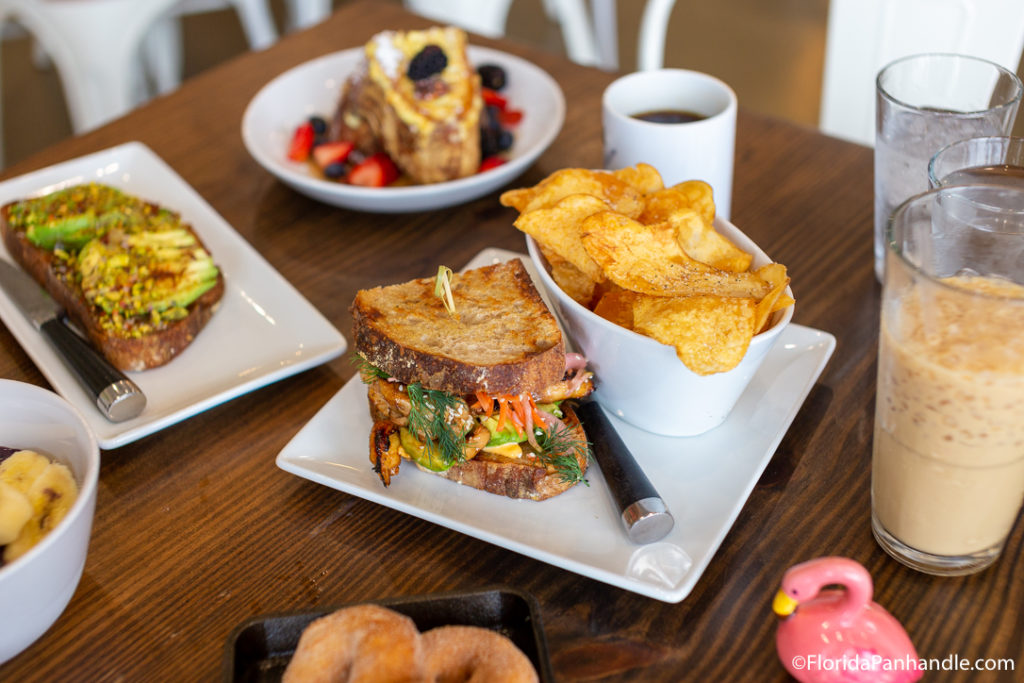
[643, 512]
[117, 397]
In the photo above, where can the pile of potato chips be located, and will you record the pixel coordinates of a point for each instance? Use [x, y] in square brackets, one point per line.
[647, 257]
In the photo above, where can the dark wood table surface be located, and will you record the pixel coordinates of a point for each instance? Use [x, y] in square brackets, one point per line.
[197, 530]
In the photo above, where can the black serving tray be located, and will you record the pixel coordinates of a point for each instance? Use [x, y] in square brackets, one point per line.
[260, 648]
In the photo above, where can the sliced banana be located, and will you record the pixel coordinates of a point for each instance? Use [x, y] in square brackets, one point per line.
[15, 511]
[51, 496]
[22, 468]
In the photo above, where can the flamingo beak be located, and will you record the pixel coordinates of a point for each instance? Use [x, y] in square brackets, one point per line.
[783, 604]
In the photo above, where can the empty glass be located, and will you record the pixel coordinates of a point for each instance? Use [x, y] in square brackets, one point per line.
[997, 160]
[925, 102]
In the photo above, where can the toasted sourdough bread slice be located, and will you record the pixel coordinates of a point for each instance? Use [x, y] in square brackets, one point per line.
[504, 340]
[127, 352]
[429, 127]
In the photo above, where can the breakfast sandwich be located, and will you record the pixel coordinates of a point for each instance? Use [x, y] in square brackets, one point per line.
[468, 378]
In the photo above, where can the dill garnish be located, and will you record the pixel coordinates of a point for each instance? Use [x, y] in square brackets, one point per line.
[369, 372]
[429, 417]
[560, 448]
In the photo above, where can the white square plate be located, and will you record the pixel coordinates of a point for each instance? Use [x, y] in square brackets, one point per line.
[705, 480]
[263, 331]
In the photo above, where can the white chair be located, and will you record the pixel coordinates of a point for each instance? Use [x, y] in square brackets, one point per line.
[865, 35]
[95, 45]
[650, 48]
[488, 18]
[99, 47]
[305, 13]
[163, 46]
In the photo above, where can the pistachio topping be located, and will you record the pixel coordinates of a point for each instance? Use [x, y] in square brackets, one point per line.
[136, 263]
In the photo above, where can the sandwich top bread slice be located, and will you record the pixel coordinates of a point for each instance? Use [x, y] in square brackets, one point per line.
[475, 395]
[135, 279]
[418, 99]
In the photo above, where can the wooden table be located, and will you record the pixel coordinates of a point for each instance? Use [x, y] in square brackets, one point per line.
[196, 529]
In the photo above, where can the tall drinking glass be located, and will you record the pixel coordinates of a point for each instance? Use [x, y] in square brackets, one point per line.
[925, 102]
[998, 160]
[948, 462]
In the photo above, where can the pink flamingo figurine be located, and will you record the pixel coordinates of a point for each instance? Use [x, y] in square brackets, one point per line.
[833, 635]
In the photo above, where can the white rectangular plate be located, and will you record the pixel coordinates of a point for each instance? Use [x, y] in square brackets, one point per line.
[705, 480]
[263, 331]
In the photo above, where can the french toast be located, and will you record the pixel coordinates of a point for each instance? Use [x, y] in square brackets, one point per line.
[135, 279]
[417, 98]
[474, 395]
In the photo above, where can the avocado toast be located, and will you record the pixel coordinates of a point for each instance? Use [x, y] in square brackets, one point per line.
[131, 274]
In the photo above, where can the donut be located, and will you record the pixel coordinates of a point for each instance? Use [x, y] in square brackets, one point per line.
[366, 643]
[474, 655]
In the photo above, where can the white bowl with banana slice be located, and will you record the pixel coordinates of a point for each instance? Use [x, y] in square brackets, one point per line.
[49, 467]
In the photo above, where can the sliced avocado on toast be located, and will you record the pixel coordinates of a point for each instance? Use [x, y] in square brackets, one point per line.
[134, 261]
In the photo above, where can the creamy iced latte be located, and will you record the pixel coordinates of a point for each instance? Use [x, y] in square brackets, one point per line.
[948, 465]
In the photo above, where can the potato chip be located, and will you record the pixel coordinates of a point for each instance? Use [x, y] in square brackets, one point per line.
[710, 333]
[692, 194]
[647, 259]
[558, 229]
[616, 193]
[775, 275]
[642, 177]
[571, 279]
[617, 307]
[702, 243]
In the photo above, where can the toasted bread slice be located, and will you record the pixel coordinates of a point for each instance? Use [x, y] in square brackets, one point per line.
[522, 477]
[128, 350]
[430, 127]
[504, 339]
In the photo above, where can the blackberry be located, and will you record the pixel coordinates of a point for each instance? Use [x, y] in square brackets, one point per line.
[492, 76]
[427, 62]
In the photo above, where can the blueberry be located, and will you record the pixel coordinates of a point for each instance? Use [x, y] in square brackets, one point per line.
[490, 131]
[335, 170]
[492, 117]
[492, 76]
[429, 61]
[319, 125]
[505, 140]
[488, 142]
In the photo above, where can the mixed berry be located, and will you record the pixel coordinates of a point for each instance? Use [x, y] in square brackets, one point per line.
[341, 162]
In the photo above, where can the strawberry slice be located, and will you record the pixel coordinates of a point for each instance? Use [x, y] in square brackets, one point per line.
[510, 118]
[302, 142]
[331, 152]
[493, 98]
[489, 163]
[374, 171]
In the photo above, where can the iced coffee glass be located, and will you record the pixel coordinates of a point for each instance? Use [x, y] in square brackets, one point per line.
[948, 462]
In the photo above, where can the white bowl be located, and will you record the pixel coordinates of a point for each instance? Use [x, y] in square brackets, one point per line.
[314, 88]
[36, 587]
[641, 380]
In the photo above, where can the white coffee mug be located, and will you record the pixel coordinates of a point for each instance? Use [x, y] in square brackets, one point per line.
[695, 150]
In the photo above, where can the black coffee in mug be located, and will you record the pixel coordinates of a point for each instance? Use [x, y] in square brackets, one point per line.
[669, 116]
